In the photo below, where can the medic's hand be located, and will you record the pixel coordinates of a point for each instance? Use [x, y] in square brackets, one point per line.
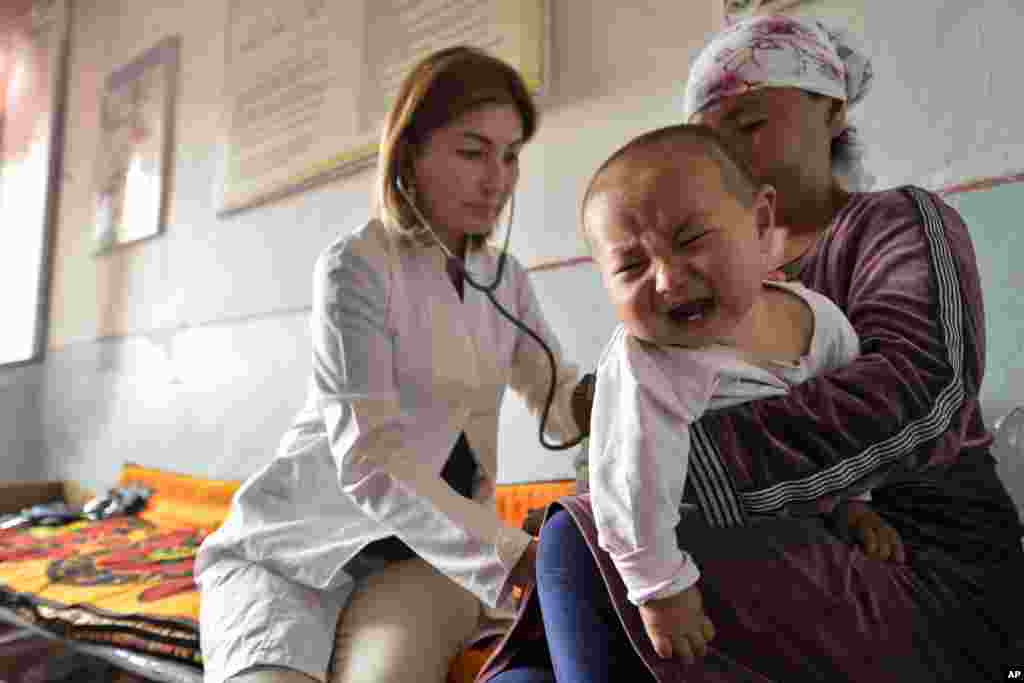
[677, 626]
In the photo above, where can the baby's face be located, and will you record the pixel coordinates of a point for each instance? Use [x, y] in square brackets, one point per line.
[682, 259]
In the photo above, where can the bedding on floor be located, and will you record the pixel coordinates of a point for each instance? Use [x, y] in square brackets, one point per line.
[122, 587]
[123, 581]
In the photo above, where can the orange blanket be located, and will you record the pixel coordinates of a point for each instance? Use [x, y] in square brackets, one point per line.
[125, 581]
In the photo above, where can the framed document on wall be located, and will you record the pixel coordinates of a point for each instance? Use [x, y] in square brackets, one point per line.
[308, 83]
[736, 10]
[134, 148]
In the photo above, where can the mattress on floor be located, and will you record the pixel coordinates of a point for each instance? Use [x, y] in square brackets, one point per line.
[122, 588]
[124, 583]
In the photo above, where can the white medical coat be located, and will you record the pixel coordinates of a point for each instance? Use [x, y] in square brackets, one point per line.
[401, 367]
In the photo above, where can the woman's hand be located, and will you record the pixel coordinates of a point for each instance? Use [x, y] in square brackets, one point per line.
[677, 626]
[582, 401]
[857, 520]
[523, 573]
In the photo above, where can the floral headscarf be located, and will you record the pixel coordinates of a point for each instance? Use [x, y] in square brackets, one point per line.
[779, 51]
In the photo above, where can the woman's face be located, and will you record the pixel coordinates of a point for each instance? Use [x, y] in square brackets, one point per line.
[466, 171]
[783, 134]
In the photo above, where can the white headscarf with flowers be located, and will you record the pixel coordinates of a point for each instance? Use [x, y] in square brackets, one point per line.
[782, 51]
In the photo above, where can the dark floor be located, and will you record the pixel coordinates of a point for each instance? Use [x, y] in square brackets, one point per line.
[34, 659]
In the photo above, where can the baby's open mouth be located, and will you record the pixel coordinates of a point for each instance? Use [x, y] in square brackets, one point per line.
[691, 311]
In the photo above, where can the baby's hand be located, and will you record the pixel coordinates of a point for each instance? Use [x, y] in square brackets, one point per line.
[879, 540]
[678, 626]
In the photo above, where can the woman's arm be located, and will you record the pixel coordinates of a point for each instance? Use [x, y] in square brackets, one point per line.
[376, 451]
[910, 287]
[638, 461]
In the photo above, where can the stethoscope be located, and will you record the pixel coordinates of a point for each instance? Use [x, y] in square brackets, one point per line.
[488, 291]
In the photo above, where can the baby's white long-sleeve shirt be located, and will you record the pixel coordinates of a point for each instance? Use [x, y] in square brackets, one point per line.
[646, 397]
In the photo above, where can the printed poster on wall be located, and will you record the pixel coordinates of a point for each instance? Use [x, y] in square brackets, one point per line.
[134, 147]
[737, 10]
[308, 83]
[849, 15]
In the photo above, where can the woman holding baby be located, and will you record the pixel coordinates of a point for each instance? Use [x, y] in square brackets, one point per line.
[776, 592]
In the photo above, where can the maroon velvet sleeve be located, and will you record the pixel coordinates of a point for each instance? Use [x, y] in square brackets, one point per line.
[909, 284]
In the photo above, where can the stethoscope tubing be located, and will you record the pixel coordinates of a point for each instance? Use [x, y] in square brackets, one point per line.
[488, 291]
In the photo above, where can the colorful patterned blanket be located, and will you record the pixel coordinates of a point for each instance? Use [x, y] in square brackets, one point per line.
[127, 582]
[122, 581]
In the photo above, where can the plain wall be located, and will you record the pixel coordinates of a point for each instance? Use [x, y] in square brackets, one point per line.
[190, 350]
[23, 455]
[994, 220]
